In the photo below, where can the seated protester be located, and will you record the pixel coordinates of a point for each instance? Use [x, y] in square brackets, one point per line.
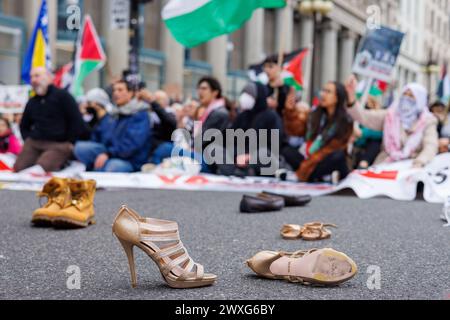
[8, 141]
[164, 124]
[51, 123]
[255, 114]
[215, 116]
[441, 113]
[97, 105]
[122, 140]
[277, 90]
[368, 141]
[327, 131]
[409, 129]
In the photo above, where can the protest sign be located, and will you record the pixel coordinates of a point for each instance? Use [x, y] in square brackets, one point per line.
[378, 53]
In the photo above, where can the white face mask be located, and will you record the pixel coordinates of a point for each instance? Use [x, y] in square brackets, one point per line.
[88, 117]
[247, 102]
[409, 112]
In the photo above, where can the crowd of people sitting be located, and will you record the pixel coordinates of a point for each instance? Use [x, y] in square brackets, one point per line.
[124, 128]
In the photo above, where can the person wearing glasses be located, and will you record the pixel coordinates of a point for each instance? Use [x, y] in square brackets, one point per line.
[326, 129]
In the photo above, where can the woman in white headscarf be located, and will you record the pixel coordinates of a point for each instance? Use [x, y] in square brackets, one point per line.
[409, 129]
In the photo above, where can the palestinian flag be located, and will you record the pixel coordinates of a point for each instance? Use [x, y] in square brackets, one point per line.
[89, 57]
[444, 86]
[64, 76]
[193, 22]
[377, 89]
[293, 71]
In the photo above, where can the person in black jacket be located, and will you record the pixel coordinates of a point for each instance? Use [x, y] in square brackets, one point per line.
[164, 124]
[277, 90]
[50, 125]
[255, 116]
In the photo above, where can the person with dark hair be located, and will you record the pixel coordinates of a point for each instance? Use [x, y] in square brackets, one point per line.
[216, 115]
[327, 131]
[8, 141]
[277, 90]
[440, 111]
[121, 142]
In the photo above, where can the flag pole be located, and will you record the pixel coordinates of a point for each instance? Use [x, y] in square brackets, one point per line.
[284, 26]
[308, 72]
[365, 96]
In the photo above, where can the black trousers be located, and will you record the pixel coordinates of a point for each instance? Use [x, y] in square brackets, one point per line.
[369, 153]
[336, 161]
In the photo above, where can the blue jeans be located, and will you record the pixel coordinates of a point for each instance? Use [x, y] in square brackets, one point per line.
[87, 152]
[166, 149]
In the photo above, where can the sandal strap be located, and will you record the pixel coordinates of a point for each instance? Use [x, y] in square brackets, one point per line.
[169, 251]
[152, 227]
[160, 237]
[175, 263]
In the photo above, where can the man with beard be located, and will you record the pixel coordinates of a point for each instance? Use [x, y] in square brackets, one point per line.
[50, 125]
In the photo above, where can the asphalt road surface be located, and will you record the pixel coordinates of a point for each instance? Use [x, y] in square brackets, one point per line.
[401, 248]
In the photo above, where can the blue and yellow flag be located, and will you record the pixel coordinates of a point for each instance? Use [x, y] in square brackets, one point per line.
[38, 53]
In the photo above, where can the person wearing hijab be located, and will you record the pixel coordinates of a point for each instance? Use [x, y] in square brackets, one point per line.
[409, 129]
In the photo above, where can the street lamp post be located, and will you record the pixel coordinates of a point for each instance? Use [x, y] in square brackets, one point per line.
[317, 9]
[430, 69]
[135, 40]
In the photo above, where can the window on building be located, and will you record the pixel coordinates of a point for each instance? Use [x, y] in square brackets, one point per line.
[12, 46]
[269, 31]
[193, 72]
[152, 68]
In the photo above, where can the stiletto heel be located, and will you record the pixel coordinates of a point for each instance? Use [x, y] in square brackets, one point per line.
[128, 247]
[160, 240]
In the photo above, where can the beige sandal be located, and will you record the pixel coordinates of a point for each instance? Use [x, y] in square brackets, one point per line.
[326, 267]
[310, 231]
[160, 240]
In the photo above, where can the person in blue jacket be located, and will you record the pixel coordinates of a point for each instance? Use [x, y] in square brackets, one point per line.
[121, 141]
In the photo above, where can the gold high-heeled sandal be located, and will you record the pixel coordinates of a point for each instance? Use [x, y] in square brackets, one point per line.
[326, 267]
[160, 240]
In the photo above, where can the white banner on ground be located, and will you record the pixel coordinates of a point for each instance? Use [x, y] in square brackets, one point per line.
[13, 98]
[398, 181]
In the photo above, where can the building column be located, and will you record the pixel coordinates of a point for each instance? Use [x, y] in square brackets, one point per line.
[307, 31]
[216, 53]
[174, 53]
[254, 38]
[307, 40]
[329, 52]
[285, 26]
[346, 54]
[117, 45]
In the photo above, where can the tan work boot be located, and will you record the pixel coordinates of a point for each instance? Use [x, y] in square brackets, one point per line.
[57, 192]
[80, 213]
